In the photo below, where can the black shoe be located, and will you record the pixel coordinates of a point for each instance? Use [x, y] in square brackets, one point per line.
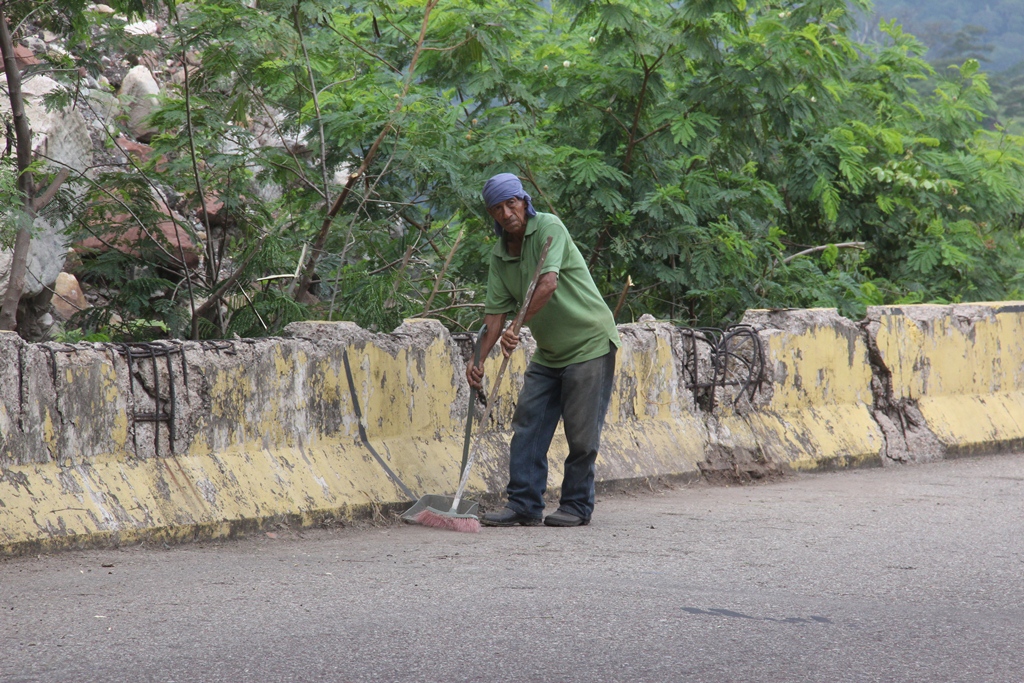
[508, 517]
[563, 518]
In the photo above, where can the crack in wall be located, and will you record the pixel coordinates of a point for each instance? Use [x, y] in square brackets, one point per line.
[753, 455]
[906, 435]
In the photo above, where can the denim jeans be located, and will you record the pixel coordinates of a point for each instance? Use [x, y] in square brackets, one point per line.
[579, 395]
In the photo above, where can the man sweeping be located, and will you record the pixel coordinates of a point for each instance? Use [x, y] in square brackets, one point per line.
[570, 375]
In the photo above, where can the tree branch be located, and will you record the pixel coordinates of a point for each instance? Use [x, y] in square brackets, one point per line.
[815, 250]
[529, 176]
[46, 197]
[444, 269]
[226, 284]
[316, 108]
[23, 139]
[213, 269]
[633, 141]
[363, 49]
[321, 239]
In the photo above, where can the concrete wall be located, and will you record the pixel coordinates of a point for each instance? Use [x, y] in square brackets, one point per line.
[179, 440]
[950, 380]
[817, 413]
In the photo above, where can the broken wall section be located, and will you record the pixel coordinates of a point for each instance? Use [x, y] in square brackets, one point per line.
[948, 380]
[906, 384]
[814, 412]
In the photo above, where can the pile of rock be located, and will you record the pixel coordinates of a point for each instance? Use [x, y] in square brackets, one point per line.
[105, 128]
[108, 127]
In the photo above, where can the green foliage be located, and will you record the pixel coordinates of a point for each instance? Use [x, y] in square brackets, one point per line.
[76, 335]
[10, 198]
[689, 146]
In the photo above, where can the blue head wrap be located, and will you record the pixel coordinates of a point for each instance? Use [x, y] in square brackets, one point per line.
[502, 187]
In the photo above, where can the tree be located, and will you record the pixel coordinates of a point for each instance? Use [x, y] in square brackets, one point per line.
[721, 154]
[68, 16]
[23, 144]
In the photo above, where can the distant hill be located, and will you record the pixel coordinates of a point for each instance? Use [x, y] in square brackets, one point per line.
[992, 30]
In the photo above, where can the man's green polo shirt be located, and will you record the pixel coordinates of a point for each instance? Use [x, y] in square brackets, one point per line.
[575, 325]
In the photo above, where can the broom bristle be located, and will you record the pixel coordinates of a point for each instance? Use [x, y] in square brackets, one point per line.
[428, 517]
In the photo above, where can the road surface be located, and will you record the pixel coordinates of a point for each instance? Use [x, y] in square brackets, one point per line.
[898, 574]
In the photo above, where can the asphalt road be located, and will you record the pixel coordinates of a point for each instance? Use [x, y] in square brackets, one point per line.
[898, 574]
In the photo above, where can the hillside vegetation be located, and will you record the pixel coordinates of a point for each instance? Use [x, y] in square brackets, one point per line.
[950, 28]
[718, 154]
[955, 31]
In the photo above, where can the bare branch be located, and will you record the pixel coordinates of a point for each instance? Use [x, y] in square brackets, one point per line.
[815, 250]
[252, 306]
[277, 131]
[363, 49]
[316, 107]
[447, 49]
[622, 297]
[606, 110]
[423, 231]
[228, 283]
[450, 308]
[46, 197]
[444, 269]
[529, 176]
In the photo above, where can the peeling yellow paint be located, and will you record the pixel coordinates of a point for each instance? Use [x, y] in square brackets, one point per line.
[228, 389]
[111, 390]
[963, 366]
[653, 374]
[260, 452]
[119, 435]
[819, 414]
[49, 434]
[821, 366]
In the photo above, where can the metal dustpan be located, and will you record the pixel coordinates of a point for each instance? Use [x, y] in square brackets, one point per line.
[442, 505]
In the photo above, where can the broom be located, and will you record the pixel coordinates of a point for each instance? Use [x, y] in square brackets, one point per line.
[451, 519]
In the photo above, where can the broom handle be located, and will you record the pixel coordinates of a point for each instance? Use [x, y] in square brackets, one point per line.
[516, 324]
[472, 401]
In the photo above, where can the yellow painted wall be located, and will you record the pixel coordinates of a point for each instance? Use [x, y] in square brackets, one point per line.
[818, 414]
[963, 365]
[267, 429]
